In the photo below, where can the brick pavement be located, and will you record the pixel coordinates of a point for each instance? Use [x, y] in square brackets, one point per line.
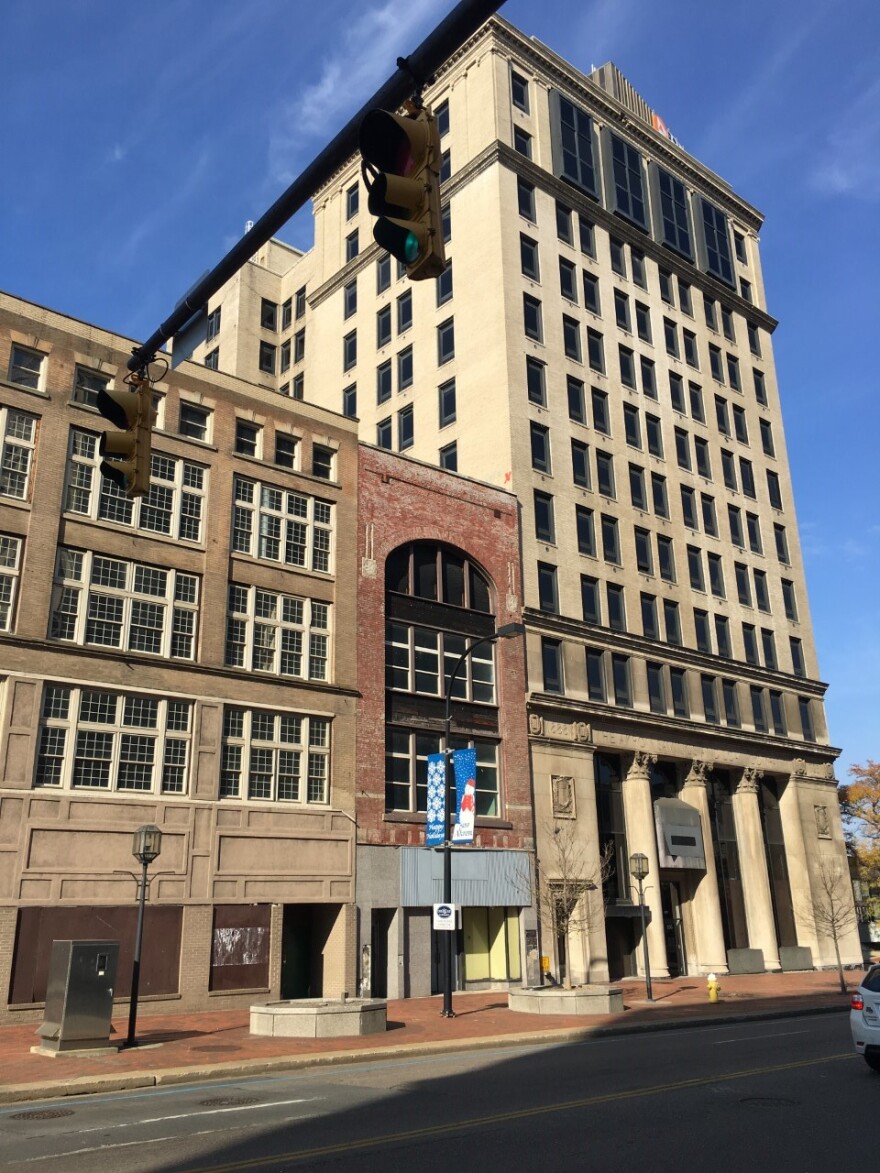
[184, 1047]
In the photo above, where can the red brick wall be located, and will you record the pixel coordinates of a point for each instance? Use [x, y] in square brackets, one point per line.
[401, 501]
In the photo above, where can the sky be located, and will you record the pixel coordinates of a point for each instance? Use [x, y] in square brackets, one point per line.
[139, 139]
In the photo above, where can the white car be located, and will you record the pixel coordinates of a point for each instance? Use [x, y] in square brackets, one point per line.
[864, 1018]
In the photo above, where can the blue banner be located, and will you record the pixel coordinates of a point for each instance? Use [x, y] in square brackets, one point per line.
[435, 825]
[464, 764]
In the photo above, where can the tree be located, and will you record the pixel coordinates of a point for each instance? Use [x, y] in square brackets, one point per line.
[566, 886]
[860, 811]
[833, 907]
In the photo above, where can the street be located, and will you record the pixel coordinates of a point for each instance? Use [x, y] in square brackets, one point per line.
[786, 1095]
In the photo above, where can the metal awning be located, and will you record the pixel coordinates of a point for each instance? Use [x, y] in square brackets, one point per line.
[679, 834]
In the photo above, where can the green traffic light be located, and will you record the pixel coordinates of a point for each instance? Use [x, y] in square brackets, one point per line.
[411, 247]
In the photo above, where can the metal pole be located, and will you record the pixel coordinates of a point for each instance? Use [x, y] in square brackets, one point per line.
[412, 72]
[648, 995]
[136, 963]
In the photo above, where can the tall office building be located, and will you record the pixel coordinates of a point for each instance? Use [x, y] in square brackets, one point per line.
[600, 345]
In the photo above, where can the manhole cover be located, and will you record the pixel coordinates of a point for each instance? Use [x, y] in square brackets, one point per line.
[216, 1050]
[43, 1114]
[769, 1102]
[229, 1101]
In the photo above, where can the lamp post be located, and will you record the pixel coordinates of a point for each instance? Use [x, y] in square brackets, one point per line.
[638, 865]
[506, 631]
[145, 848]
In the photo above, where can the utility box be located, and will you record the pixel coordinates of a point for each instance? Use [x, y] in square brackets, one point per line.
[79, 996]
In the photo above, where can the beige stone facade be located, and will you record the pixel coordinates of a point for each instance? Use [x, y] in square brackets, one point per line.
[187, 660]
[601, 346]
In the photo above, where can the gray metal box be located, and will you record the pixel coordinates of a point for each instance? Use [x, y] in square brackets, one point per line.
[79, 995]
[745, 960]
[795, 957]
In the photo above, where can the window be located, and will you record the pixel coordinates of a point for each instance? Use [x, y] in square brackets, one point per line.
[678, 688]
[747, 477]
[563, 224]
[568, 280]
[670, 333]
[767, 437]
[173, 505]
[108, 602]
[577, 410]
[760, 388]
[383, 326]
[716, 575]
[643, 322]
[620, 678]
[300, 302]
[610, 545]
[676, 392]
[445, 165]
[548, 598]
[405, 428]
[193, 421]
[673, 627]
[616, 608]
[444, 285]
[535, 381]
[525, 195]
[383, 273]
[212, 359]
[674, 218]
[666, 558]
[701, 449]
[322, 462]
[618, 256]
[777, 713]
[572, 131]
[727, 324]
[644, 561]
[734, 519]
[528, 258]
[806, 718]
[761, 596]
[637, 487]
[654, 435]
[213, 325]
[628, 186]
[709, 310]
[708, 687]
[383, 433]
[404, 312]
[658, 494]
[754, 339]
[773, 490]
[267, 358]
[599, 401]
[649, 383]
[284, 359]
[519, 92]
[551, 664]
[733, 373]
[759, 717]
[383, 381]
[716, 244]
[605, 473]
[351, 201]
[586, 237]
[731, 704]
[722, 636]
[282, 634]
[591, 293]
[665, 278]
[10, 565]
[441, 115]
[690, 349]
[286, 446]
[522, 142]
[268, 314]
[297, 386]
[715, 363]
[688, 507]
[349, 351]
[631, 427]
[586, 537]
[768, 646]
[571, 338]
[707, 508]
[286, 313]
[728, 469]
[275, 756]
[87, 385]
[299, 345]
[739, 246]
[545, 528]
[446, 223]
[721, 416]
[91, 739]
[540, 442]
[753, 527]
[404, 368]
[445, 341]
[695, 568]
[743, 587]
[797, 656]
[650, 628]
[532, 324]
[621, 310]
[590, 599]
[580, 467]
[596, 675]
[446, 396]
[596, 350]
[281, 526]
[247, 438]
[449, 457]
[781, 544]
[695, 395]
[351, 246]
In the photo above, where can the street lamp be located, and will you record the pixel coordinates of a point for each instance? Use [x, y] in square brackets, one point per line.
[638, 865]
[506, 631]
[146, 847]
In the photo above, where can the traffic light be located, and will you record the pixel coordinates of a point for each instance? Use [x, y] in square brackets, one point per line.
[127, 452]
[401, 167]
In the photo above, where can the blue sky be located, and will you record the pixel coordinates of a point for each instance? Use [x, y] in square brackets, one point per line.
[140, 138]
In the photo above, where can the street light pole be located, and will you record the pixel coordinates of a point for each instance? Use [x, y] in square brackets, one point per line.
[638, 863]
[146, 848]
[506, 631]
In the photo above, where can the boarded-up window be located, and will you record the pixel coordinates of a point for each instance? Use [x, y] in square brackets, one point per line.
[240, 947]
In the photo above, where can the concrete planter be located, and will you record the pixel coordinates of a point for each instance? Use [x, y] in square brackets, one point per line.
[584, 1000]
[316, 1018]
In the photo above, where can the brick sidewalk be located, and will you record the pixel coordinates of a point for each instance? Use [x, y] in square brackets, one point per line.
[178, 1048]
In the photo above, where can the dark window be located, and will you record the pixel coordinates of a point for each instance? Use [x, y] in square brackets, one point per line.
[670, 333]
[351, 246]
[767, 437]
[525, 196]
[750, 643]
[535, 382]
[637, 263]
[563, 223]
[695, 394]
[678, 688]
[383, 433]
[695, 568]
[322, 462]
[580, 466]
[728, 468]
[591, 292]
[449, 457]
[300, 302]
[596, 674]
[644, 562]
[670, 619]
[610, 545]
[707, 508]
[446, 402]
[650, 627]
[548, 598]
[701, 630]
[213, 326]
[753, 526]
[747, 477]
[739, 246]
[616, 608]
[674, 218]
[727, 324]
[247, 438]
[806, 718]
[665, 278]
[777, 713]
[666, 558]
[405, 428]
[637, 487]
[545, 528]
[540, 439]
[532, 318]
[585, 236]
[571, 338]
[605, 473]
[573, 144]
[731, 705]
[754, 339]
[567, 279]
[676, 392]
[690, 349]
[445, 342]
[350, 299]
[618, 256]
[528, 257]
[297, 386]
[710, 699]
[441, 114]
[551, 664]
[586, 537]
[383, 381]
[383, 273]
[649, 383]
[716, 242]
[351, 201]
[620, 677]
[643, 322]
[268, 314]
[760, 388]
[773, 489]
[404, 368]
[768, 645]
[193, 421]
[621, 309]
[285, 450]
[743, 588]
[684, 298]
[404, 311]
[762, 598]
[349, 401]
[658, 495]
[349, 350]
[596, 350]
[446, 222]
[759, 717]
[722, 635]
[781, 544]
[600, 412]
[733, 372]
[688, 507]
[715, 364]
[629, 188]
[797, 657]
[721, 417]
[590, 599]
[709, 309]
[446, 165]
[701, 449]
[519, 92]
[654, 434]
[444, 285]
[577, 410]
[716, 575]
[267, 358]
[631, 427]
[299, 345]
[734, 519]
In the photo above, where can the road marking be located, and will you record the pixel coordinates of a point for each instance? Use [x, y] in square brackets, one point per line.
[372, 1142]
[757, 1038]
[197, 1115]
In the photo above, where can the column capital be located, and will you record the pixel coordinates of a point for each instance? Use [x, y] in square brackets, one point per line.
[641, 765]
[748, 783]
[697, 774]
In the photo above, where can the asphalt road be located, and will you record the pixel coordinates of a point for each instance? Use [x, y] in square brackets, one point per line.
[786, 1095]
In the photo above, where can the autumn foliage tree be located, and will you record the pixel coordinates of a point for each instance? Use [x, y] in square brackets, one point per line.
[860, 808]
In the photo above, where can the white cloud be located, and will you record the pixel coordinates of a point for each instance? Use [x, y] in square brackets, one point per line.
[851, 153]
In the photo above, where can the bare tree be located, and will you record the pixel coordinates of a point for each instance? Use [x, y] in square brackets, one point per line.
[833, 907]
[566, 884]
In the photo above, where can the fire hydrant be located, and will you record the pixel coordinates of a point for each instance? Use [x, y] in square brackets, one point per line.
[714, 987]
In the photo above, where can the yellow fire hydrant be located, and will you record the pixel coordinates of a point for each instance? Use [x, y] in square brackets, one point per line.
[714, 987]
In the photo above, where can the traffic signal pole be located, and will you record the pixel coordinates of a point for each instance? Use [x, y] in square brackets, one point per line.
[412, 73]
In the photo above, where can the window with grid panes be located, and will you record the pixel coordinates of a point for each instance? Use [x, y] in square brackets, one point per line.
[716, 242]
[26, 367]
[173, 505]
[193, 421]
[628, 182]
[19, 432]
[91, 739]
[10, 565]
[572, 130]
[287, 446]
[275, 756]
[675, 228]
[87, 384]
[277, 525]
[112, 603]
[282, 634]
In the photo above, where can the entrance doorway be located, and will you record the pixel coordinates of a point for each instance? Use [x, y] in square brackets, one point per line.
[305, 929]
[382, 919]
[673, 928]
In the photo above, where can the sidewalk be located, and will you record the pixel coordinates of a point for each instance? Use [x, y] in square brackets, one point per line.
[186, 1047]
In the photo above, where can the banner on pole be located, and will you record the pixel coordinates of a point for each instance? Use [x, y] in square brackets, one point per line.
[464, 764]
[435, 824]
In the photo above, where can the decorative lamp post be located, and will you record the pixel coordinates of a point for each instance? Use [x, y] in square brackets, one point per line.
[506, 631]
[638, 865]
[145, 848]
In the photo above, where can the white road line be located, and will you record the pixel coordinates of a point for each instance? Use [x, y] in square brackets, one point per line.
[757, 1038]
[195, 1115]
[127, 1144]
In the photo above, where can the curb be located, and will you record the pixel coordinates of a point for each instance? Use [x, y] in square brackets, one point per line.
[94, 1085]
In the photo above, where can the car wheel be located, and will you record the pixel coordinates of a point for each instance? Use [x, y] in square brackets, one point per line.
[873, 1061]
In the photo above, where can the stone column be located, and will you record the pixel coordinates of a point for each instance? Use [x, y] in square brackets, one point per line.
[641, 835]
[753, 867]
[706, 901]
